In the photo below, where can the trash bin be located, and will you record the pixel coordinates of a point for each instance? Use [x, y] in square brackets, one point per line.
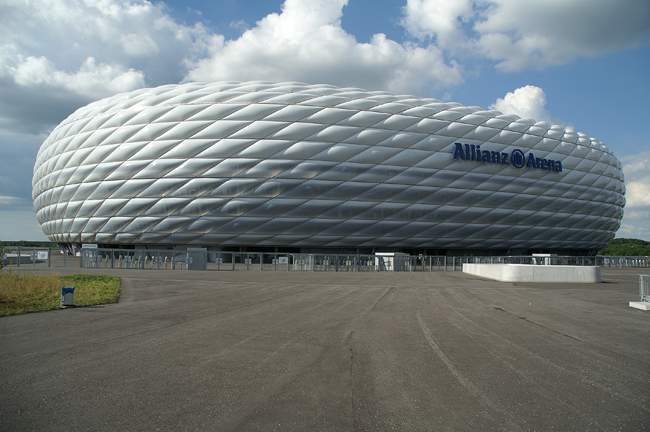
[67, 296]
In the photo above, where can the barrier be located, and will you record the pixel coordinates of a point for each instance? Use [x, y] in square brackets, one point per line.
[169, 259]
[535, 273]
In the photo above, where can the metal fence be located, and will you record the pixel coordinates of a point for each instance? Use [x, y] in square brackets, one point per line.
[36, 258]
[644, 287]
[166, 259]
[598, 260]
[134, 259]
[264, 261]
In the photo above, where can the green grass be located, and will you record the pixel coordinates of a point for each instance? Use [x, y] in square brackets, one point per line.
[20, 293]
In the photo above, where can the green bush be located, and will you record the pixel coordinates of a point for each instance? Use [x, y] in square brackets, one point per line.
[627, 247]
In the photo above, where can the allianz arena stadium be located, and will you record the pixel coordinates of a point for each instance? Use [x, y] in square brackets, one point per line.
[297, 167]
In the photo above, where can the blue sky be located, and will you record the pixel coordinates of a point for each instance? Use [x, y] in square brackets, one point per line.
[575, 62]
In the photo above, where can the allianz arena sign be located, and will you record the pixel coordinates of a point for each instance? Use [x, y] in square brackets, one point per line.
[517, 158]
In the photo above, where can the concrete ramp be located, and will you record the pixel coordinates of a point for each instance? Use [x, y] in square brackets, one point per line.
[535, 273]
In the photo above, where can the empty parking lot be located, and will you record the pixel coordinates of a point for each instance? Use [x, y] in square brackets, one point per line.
[332, 351]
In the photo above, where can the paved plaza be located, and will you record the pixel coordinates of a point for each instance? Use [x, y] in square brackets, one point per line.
[222, 351]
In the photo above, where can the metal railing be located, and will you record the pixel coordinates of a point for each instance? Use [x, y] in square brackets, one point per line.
[644, 288]
[37, 258]
[33, 258]
[166, 259]
[266, 261]
[139, 259]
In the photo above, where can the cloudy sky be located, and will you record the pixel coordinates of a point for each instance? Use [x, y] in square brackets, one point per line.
[583, 63]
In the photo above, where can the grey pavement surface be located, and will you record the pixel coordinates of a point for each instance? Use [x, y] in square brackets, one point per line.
[218, 351]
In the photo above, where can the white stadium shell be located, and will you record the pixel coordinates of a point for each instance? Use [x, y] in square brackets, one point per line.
[295, 166]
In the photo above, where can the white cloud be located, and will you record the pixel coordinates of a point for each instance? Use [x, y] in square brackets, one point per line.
[78, 50]
[239, 25]
[638, 193]
[636, 220]
[139, 45]
[519, 34]
[638, 165]
[437, 18]
[136, 34]
[528, 102]
[92, 80]
[637, 175]
[305, 42]
[6, 200]
[635, 225]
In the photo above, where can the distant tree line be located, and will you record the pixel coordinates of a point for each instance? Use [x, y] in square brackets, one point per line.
[627, 247]
[26, 243]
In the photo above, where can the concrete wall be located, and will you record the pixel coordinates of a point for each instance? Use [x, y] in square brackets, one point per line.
[535, 273]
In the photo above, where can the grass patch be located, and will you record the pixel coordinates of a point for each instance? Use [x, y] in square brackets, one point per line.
[20, 293]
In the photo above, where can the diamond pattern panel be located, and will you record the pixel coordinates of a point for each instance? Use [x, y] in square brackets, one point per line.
[293, 164]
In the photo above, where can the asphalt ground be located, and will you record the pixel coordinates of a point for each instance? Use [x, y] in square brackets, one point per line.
[220, 351]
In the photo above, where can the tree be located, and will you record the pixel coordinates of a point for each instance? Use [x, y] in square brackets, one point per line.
[626, 247]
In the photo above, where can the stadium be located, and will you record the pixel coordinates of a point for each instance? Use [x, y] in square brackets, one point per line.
[290, 166]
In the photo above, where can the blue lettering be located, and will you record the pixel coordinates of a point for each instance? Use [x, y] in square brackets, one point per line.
[531, 160]
[458, 151]
[517, 158]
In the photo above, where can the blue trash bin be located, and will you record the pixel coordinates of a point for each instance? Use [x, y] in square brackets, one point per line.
[67, 296]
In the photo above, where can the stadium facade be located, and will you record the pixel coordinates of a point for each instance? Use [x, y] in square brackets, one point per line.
[297, 167]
